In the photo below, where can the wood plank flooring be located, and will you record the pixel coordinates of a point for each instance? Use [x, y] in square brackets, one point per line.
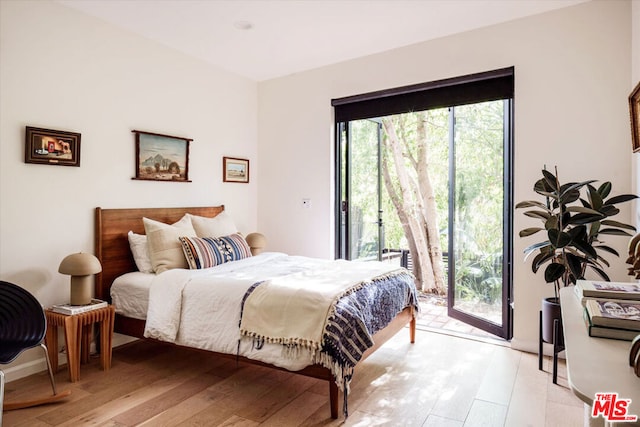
[439, 381]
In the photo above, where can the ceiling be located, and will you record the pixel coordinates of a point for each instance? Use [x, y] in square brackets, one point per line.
[290, 36]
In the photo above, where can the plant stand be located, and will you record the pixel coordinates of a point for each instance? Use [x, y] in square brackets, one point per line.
[557, 348]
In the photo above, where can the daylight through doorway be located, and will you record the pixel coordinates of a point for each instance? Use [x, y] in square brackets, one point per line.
[431, 190]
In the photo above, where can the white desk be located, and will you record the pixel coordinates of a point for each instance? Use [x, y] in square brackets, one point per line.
[596, 365]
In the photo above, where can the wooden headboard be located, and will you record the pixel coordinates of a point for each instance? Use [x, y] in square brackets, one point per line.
[112, 243]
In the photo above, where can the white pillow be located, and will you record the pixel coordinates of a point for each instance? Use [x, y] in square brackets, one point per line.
[165, 250]
[220, 225]
[140, 251]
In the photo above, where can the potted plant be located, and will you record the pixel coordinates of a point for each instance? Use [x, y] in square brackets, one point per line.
[574, 216]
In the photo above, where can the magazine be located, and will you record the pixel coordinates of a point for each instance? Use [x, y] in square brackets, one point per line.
[586, 289]
[77, 309]
[614, 313]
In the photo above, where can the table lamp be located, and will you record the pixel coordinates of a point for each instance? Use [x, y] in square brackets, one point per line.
[80, 267]
[256, 242]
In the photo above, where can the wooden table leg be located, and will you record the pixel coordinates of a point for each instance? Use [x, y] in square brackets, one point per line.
[85, 347]
[51, 340]
[106, 339]
[72, 341]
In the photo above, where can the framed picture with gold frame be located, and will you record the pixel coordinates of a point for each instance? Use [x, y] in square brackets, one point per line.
[634, 111]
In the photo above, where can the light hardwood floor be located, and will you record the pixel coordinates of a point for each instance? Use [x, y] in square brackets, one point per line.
[440, 380]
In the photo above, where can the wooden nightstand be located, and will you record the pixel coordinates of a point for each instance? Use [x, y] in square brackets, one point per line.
[77, 336]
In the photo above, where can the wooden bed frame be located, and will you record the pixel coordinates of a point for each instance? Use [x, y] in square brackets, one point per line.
[112, 249]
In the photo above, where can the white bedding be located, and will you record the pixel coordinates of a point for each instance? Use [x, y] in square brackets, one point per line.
[201, 308]
[130, 294]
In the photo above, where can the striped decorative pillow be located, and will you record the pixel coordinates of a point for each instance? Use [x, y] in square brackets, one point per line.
[205, 252]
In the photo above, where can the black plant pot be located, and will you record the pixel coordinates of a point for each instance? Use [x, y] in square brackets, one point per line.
[551, 312]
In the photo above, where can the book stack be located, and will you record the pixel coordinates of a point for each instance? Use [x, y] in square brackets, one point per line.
[611, 309]
[77, 309]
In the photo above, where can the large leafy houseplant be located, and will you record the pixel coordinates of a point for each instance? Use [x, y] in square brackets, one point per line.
[574, 217]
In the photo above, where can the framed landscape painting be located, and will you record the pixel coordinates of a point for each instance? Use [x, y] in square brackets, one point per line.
[51, 147]
[235, 170]
[161, 157]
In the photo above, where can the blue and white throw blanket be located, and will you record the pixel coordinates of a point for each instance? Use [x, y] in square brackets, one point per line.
[337, 324]
[358, 316]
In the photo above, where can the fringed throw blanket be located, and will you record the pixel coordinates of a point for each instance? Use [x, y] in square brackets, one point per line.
[332, 312]
[292, 310]
[358, 316]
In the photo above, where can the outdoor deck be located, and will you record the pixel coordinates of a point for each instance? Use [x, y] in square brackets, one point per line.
[434, 317]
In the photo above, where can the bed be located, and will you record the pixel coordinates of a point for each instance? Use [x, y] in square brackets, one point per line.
[113, 250]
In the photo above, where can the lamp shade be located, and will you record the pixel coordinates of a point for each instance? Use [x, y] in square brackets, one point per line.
[80, 264]
[256, 242]
[80, 267]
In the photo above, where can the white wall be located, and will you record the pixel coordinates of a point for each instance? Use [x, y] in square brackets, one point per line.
[60, 69]
[572, 73]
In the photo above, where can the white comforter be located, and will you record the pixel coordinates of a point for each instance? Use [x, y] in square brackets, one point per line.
[201, 308]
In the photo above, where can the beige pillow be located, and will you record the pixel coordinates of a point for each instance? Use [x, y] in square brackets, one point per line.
[221, 225]
[164, 246]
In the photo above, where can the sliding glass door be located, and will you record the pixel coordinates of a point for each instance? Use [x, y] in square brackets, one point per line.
[478, 225]
[423, 178]
[361, 193]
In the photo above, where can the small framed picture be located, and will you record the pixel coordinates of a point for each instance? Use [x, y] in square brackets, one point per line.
[634, 111]
[51, 147]
[235, 170]
[161, 157]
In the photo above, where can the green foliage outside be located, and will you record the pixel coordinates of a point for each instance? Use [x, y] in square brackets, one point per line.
[364, 189]
[479, 202]
[478, 193]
